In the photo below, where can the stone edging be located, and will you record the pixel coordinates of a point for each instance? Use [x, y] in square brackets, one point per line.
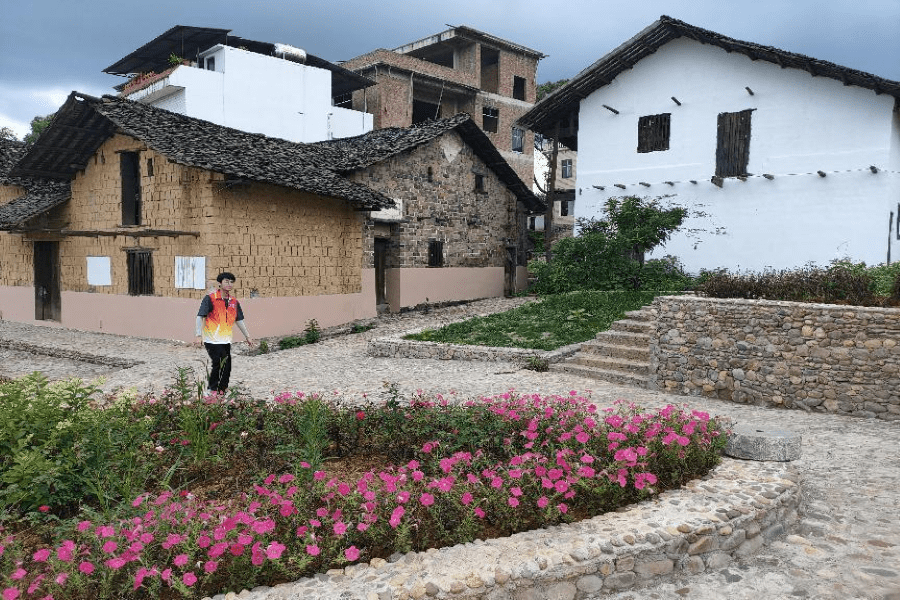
[394, 346]
[739, 507]
[105, 361]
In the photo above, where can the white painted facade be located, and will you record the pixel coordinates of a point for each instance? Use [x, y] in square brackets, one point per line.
[800, 125]
[257, 93]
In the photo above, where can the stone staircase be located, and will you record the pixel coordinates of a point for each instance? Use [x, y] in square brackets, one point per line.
[619, 355]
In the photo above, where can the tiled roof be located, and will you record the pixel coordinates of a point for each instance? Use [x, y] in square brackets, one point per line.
[564, 102]
[85, 122]
[356, 153]
[40, 194]
[10, 152]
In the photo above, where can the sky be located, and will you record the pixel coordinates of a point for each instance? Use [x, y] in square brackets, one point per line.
[48, 48]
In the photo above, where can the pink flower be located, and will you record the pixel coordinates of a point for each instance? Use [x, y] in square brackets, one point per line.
[340, 528]
[18, 574]
[180, 560]
[44, 508]
[396, 516]
[352, 553]
[562, 508]
[274, 550]
[543, 502]
[426, 499]
[210, 566]
[583, 437]
[84, 525]
[313, 550]
[263, 526]
[105, 531]
[360, 416]
[61, 578]
[479, 512]
[237, 549]
[10, 594]
[202, 541]
[343, 489]
[513, 501]
[466, 498]
[86, 567]
[116, 563]
[41, 555]
[110, 546]
[189, 579]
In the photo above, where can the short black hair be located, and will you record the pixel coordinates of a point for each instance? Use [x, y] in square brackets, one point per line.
[226, 275]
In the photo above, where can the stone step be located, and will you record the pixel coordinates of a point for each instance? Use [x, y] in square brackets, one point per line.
[598, 348]
[632, 326]
[624, 338]
[612, 376]
[641, 314]
[637, 367]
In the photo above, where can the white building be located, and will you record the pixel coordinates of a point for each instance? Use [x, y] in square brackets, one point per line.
[260, 87]
[790, 159]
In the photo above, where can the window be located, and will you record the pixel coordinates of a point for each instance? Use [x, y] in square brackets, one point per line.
[430, 175]
[131, 188]
[653, 133]
[99, 271]
[518, 140]
[344, 100]
[149, 167]
[435, 254]
[566, 168]
[479, 182]
[490, 119]
[567, 208]
[140, 272]
[190, 272]
[518, 88]
[733, 143]
[211, 63]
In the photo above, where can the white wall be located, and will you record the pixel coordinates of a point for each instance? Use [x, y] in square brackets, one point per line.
[801, 124]
[260, 94]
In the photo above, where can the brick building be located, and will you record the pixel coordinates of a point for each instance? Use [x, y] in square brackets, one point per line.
[458, 70]
[121, 214]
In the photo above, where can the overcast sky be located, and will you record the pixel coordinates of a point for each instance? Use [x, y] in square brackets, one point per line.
[49, 48]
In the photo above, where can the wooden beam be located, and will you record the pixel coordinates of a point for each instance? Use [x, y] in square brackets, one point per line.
[107, 233]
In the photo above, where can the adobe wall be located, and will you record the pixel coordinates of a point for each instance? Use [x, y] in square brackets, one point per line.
[816, 357]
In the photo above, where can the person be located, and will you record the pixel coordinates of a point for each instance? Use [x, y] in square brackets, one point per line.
[219, 312]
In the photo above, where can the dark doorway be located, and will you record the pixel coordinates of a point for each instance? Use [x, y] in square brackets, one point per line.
[424, 111]
[381, 249]
[46, 281]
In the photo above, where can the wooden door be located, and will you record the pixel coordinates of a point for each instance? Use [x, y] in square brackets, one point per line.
[46, 281]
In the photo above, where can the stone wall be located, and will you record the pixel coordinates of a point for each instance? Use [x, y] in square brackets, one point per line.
[816, 357]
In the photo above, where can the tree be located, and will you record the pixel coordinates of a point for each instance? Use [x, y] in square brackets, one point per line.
[8, 134]
[38, 125]
[608, 253]
[547, 87]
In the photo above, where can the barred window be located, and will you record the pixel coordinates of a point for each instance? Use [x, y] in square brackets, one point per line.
[653, 132]
[518, 140]
[733, 143]
[435, 253]
[140, 272]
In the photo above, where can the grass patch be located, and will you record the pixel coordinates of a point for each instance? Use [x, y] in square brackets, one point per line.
[554, 321]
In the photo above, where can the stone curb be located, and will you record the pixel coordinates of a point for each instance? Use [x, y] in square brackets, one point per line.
[733, 512]
[394, 346]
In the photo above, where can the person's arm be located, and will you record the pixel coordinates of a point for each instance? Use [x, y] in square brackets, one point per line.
[243, 329]
[205, 309]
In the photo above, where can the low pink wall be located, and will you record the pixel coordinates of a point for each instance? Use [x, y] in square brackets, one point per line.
[409, 287]
[174, 318]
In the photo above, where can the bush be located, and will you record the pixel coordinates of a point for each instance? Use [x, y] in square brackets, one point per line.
[609, 253]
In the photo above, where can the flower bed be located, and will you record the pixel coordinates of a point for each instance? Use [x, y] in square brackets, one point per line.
[408, 475]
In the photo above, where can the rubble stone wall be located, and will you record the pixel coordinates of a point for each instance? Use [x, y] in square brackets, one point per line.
[816, 357]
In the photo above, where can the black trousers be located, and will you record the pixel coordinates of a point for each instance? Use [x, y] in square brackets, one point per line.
[220, 369]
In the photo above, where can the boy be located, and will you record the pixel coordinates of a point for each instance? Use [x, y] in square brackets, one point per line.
[218, 313]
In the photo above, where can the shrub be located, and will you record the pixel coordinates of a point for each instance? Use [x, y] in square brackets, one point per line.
[609, 253]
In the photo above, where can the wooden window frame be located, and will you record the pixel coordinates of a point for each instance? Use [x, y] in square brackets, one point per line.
[130, 174]
[654, 132]
[733, 133]
[139, 264]
[566, 168]
[435, 253]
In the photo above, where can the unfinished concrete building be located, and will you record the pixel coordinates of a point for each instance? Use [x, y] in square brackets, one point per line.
[458, 70]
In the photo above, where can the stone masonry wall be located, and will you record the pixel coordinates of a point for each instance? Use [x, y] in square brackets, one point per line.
[473, 225]
[816, 357]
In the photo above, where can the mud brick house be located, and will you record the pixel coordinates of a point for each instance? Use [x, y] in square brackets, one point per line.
[783, 158]
[455, 71]
[120, 215]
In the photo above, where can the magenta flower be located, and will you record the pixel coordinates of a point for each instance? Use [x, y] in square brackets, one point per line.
[312, 550]
[180, 560]
[274, 550]
[396, 516]
[210, 566]
[116, 563]
[18, 574]
[466, 498]
[110, 546]
[236, 549]
[84, 525]
[340, 528]
[542, 502]
[352, 553]
[286, 478]
[105, 531]
[41, 555]
[263, 526]
[513, 501]
[10, 594]
[479, 512]
[426, 499]
[343, 489]
[86, 567]
[189, 579]
[202, 541]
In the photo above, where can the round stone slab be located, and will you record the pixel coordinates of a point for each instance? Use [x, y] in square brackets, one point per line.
[763, 443]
